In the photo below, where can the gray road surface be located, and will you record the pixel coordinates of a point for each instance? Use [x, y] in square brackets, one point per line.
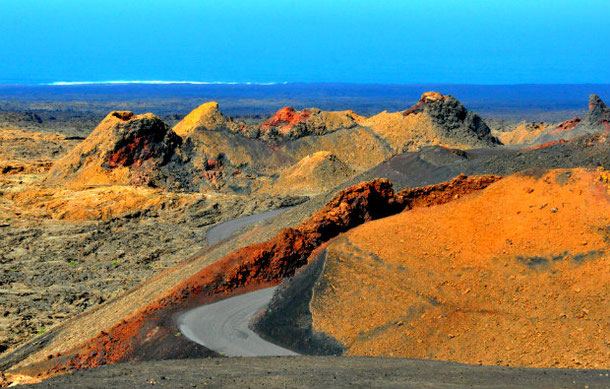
[226, 229]
[223, 326]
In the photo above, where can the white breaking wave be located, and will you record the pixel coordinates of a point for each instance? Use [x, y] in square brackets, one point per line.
[159, 82]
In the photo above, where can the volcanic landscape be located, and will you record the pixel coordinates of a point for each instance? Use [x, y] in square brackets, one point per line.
[427, 246]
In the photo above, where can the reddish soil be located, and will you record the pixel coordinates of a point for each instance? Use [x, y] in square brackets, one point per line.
[547, 144]
[568, 125]
[261, 264]
[286, 118]
[123, 115]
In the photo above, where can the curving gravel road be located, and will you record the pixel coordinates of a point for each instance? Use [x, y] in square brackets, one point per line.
[223, 326]
[224, 230]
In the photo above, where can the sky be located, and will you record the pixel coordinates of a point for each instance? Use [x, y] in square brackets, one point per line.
[355, 41]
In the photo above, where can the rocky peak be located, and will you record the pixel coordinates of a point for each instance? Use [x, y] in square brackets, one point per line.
[138, 139]
[596, 103]
[450, 115]
[598, 116]
[207, 116]
[424, 100]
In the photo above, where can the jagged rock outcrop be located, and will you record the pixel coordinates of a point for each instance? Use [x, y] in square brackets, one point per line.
[597, 119]
[453, 119]
[124, 149]
[434, 120]
[598, 116]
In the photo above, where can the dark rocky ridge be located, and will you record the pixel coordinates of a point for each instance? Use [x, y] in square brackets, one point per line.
[287, 321]
[436, 164]
[453, 118]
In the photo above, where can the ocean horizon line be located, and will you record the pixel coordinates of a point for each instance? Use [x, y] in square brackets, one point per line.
[157, 82]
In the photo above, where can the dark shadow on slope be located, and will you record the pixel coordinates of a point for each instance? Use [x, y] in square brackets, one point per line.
[288, 322]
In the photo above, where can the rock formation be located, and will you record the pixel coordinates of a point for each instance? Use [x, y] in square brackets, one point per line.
[290, 123]
[434, 120]
[453, 119]
[205, 117]
[125, 149]
[598, 116]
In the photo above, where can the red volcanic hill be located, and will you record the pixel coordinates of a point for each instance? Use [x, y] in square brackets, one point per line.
[286, 118]
[515, 274]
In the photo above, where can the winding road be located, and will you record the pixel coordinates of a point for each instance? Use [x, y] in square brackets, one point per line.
[226, 229]
[223, 326]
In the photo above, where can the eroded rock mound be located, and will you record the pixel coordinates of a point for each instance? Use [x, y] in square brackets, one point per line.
[434, 120]
[206, 117]
[313, 175]
[124, 149]
[290, 123]
[454, 120]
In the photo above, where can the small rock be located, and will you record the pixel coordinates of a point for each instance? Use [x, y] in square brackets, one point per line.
[554, 210]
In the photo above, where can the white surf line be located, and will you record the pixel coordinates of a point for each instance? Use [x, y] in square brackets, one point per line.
[158, 82]
[223, 326]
